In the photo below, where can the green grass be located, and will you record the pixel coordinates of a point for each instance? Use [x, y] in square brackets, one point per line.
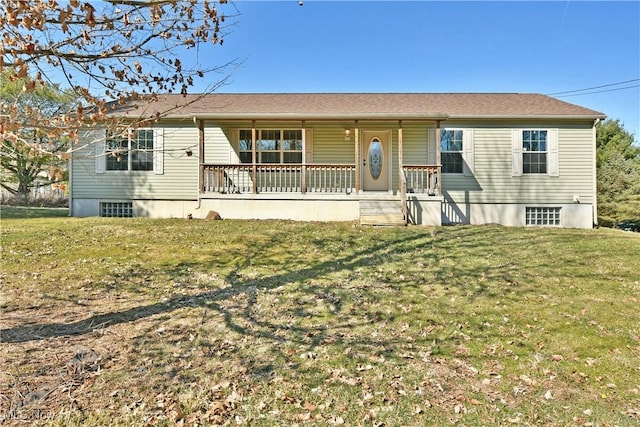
[283, 323]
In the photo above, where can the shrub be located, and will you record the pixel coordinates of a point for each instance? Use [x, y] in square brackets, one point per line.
[49, 200]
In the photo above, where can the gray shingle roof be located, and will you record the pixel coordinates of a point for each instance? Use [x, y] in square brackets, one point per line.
[358, 106]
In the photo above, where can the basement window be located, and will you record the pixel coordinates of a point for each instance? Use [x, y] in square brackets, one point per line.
[543, 216]
[116, 209]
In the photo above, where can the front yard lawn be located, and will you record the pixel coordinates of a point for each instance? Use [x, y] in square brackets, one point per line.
[262, 323]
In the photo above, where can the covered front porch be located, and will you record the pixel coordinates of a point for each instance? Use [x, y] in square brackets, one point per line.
[414, 182]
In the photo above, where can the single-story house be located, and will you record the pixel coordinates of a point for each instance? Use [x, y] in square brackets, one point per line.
[378, 158]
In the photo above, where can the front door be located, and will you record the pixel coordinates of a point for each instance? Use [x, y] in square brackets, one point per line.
[376, 160]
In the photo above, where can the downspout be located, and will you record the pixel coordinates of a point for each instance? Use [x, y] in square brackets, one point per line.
[70, 183]
[197, 123]
[595, 175]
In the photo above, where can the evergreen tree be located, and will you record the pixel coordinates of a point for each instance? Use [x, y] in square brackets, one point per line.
[618, 165]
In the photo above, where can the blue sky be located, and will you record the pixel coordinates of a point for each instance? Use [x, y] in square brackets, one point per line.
[428, 46]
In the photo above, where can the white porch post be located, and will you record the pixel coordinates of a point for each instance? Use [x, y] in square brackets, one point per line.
[357, 155]
[438, 159]
[402, 181]
[400, 148]
[253, 157]
[303, 178]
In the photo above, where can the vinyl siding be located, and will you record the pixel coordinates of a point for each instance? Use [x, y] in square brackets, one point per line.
[415, 145]
[329, 145]
[493, 182]
[220, 146]
[179, 180]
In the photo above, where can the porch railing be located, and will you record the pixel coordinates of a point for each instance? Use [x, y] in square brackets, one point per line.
[422, 179]
[312, 178]
[338, 178]
[278, 178]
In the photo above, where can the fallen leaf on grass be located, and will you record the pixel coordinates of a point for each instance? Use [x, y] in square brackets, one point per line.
[339, 375]
[305, 416]
[459, 409]
[233, 398]
[633, 413]
[527, 380]
[462, 351]
[336, 421]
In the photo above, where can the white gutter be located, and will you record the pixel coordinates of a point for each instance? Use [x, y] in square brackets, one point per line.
[526, 116]
[200, 155]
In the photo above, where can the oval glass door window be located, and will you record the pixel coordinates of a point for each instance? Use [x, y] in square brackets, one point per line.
[375, 158]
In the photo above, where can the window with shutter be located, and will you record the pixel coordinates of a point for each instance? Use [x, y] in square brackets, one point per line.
[456, 148]
[535, 152]
[132, 150]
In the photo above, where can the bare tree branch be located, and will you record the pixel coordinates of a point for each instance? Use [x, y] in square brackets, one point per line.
[107, 53]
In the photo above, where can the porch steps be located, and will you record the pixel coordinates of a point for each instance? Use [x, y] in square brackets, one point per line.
[381, 212]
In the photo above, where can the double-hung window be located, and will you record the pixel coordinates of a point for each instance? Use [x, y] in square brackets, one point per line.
[244, 146]
[534, 151]
[117, 153]
[269, 146]
[451, 146]
[133, 150]
[292, 146]
[272, 146]
[130, 151]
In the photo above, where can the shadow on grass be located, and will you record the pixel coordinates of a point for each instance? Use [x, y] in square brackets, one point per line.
[404, 248]
[239, 285]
